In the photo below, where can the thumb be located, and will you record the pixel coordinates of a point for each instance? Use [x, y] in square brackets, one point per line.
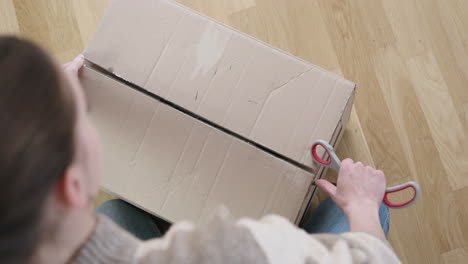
[76, 64]
[327, 187]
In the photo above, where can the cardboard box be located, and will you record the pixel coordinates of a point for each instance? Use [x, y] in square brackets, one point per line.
[178, 167]
[219, 88]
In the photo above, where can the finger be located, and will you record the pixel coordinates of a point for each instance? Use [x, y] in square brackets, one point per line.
[76, 64]
[347, 162]
[327, 187]
[345, 165]
[379, 173]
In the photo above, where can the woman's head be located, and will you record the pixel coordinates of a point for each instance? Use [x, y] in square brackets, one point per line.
[47, 147]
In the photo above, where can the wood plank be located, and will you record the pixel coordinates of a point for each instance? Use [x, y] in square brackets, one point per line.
[458, 255]
[441, 33]
[441, 114]
[8, 21]
[353, 55]
[88, 14]
[52, 24]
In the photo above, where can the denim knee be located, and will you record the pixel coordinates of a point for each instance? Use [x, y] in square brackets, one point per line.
[112, 207]
[134, 220]
[384, 215]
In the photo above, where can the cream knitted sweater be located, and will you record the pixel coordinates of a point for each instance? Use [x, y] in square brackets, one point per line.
[273, 239]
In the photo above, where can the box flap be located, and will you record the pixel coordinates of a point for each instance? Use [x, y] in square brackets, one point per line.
[265, 95]
[177, 167]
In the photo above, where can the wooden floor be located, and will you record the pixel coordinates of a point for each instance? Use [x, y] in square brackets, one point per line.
[409, 58]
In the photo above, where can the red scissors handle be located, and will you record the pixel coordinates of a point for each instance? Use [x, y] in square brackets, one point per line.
[399, 188]
[334, 162]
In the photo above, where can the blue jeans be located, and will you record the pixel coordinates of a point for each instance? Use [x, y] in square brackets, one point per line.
[136, 221]
[327, 218]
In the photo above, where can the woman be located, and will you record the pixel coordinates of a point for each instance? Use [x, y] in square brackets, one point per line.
[49, 171]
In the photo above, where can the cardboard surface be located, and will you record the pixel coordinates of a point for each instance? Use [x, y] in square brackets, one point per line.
[227, 77]
[177, 167]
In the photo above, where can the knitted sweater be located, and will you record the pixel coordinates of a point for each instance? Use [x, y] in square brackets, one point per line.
[273, 239]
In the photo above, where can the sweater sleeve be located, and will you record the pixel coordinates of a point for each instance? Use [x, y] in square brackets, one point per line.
[273, 239]
[283, 242]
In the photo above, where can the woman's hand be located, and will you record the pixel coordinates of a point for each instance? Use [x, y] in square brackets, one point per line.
[359, 193]
[357, 186]
[71, 68]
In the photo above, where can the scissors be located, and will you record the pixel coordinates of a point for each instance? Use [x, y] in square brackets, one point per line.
[335, 163]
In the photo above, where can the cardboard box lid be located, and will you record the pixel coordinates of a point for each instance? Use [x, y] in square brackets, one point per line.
[177, 167]
[244, 85]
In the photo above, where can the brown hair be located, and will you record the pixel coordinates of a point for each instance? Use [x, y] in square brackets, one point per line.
[37, 119]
